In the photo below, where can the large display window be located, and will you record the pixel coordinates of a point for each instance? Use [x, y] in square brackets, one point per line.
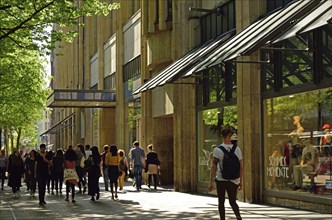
[297, 143]
[210, 124]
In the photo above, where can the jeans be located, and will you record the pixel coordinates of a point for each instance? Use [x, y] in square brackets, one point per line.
[138, 176]
[70, 187]
[2, 175]
[231, 188]
[41, 189]
[105, 176]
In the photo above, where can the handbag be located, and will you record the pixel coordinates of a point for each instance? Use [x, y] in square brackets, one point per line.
[82, 162]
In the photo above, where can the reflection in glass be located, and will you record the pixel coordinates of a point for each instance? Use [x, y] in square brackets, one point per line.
[295, 159]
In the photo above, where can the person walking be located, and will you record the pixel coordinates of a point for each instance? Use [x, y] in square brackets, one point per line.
[112, 162]
[42, 173]
[137, 156]
[58, 163]
[152, 166]
[104, 166]
[31, 174]
[3, 167]
[123, 164]
[218, 173]
[92, 164]
[50, 178]
[80, 152]
[15, 172]
[70, 176]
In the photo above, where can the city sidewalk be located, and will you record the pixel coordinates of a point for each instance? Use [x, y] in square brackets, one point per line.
[146, 204]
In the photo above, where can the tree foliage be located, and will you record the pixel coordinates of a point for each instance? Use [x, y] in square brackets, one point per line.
[25, 37]
[25, 23]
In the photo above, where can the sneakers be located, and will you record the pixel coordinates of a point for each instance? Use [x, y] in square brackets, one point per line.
[73, 201]
[67, 200]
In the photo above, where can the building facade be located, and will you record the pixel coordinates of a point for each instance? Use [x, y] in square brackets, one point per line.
[183, 70]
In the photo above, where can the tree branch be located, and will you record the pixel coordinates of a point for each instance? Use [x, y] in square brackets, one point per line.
[5, 7]
[13, 30]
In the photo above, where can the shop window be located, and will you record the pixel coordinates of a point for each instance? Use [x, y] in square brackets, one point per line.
[292, 65]
[216, 84]
[210, 124]
[297, 143]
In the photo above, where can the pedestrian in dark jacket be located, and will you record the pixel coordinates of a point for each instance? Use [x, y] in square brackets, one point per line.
[15, 172]
[42, 173]
[152, 166]
[31, 172]
[92, 164]
[58, 166]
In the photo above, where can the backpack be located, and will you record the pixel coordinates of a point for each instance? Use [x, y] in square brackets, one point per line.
[230, 164]
[122, 165]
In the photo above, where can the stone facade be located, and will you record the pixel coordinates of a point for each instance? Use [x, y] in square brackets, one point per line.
[168, 113]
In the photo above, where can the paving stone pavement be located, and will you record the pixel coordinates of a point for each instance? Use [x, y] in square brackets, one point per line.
[146, 204]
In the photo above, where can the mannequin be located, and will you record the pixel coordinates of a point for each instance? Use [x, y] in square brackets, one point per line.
[309, 162]
[326, 140]
[296, 148]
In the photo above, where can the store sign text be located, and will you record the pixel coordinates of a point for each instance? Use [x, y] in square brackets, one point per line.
[277, 167]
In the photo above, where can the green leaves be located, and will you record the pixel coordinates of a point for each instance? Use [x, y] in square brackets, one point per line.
[24, 21]
[26, 35]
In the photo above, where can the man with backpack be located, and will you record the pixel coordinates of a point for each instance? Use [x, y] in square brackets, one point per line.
[227, 171]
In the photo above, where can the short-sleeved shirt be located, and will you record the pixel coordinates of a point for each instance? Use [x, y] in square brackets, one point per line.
[219, 154]
[42, 167]
[111, 160]
[137, 154]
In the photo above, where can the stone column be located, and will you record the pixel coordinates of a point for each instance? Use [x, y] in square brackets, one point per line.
[249, 107]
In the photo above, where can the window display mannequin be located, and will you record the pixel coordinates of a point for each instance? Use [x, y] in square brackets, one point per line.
[296, 148]
[326, 140]
[309, 163]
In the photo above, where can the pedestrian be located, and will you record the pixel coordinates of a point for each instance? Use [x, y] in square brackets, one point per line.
[31, 174]
[80, 152]
[152, 166]
[42, 173]
[112, 162]
[92, 164]
[87, 151]
[218, 169]
[15, 172]
[70, 176]
[104, 166]
[3, 167]
[58, 163]
[137, 156]
[26, 157]
[123, 168]
[50, 177]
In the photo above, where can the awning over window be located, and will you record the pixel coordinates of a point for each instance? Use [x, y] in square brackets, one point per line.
[319, 17]
[65, 98]
[259, 33]
[182, 65]
[58, 125]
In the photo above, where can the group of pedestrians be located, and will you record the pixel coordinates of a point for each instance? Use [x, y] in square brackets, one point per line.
[77, 167]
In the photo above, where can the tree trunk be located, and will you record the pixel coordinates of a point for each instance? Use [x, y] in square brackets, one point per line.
[11, 138]
[5, 132]
[19, 131]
